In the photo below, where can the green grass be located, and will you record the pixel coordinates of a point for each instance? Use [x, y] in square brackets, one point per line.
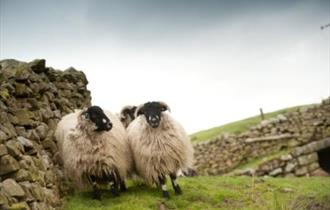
[254, 163]
[216, 193]
[238, 126]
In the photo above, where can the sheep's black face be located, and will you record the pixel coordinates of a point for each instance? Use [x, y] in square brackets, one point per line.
[152, 112]
[98, 117]
[128, 113]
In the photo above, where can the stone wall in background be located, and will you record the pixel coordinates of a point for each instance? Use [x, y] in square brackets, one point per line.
[33, 98]
[299, 135]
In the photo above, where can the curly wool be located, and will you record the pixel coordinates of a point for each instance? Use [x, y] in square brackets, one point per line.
[86, 152]
[159, 151]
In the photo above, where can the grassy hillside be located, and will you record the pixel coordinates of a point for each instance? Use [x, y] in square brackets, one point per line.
[217, 193]
[238, 126]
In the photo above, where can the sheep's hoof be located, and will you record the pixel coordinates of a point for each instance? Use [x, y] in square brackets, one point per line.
[178, 190]
[166, 194]
[123, 187]
[97, 195]
[114, 192]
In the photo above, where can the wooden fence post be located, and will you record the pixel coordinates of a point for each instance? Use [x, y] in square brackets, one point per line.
[262, 114]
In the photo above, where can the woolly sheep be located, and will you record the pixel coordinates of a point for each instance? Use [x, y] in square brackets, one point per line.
[126, 115]
[94, 149]
[160, 146]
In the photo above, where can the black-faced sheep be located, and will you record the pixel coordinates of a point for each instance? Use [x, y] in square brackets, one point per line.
[94, 149]
[126, 115]
[160, 146]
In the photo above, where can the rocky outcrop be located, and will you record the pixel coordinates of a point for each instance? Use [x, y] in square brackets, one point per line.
[33, 98]
[301, 133]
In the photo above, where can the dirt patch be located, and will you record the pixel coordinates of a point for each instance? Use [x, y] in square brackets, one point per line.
[309, 203]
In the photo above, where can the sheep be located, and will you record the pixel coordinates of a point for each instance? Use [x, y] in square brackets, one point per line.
[126, 115]
[64, 126]
[160, 146]
[94, 148]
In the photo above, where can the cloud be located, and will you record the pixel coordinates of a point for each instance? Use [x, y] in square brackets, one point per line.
[221, 60]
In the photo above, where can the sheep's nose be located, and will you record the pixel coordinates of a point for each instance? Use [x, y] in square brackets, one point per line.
[153, 119]
[109, 126]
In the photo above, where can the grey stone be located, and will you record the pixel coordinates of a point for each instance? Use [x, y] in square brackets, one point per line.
[23, 90]
[46, 113]
[313, 166]
[298, 151]
[289, 167]
[282, 118]
[293, 143]
[8, 164]
[22, 72]
[27, 186]
[25, 142]
[19, 206]
[3, 106]
[3, 150]
[8, 129]
[46, 160]
[23, 175]
[42, 130]
[276, 172]
[3, 200]
[290, 175]
[20, 130]
[33, 135]
[3, 136]
[50, 178]
[51, 197]
[15, 149]
[24, 117]
[247, 172]
[38, 65]
[286, 157]
[301, 171]
[11, 187]
[306, 159]
[12, 119]
[27, 163]
[49, 144]
[38, 206]
[37, 192]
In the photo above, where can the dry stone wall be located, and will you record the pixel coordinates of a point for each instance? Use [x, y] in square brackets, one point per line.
[33, 98]
[301, 133]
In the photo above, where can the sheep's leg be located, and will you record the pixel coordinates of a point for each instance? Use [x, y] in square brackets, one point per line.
[114, 189]
[122, 186]
[162, 181]
[190, 172]
[96, 191]
[114, 186]
[175, 185]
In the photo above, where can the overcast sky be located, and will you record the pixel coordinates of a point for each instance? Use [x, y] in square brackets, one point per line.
[212, 61]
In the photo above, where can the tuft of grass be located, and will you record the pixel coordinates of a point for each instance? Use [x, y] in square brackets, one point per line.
[239, 126]
[216, 193]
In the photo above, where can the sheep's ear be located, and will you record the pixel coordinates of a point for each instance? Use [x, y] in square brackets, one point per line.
[139, 111]
[86, 115]
[133, 109]
[164, 106]
[125, 111]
